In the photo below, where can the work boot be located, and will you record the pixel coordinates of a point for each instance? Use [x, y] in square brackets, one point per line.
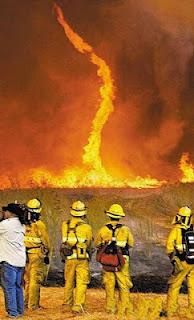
[77, 309]
[36, 308]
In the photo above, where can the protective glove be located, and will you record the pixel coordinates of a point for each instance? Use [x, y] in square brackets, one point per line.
[171, 257]
[177, 265]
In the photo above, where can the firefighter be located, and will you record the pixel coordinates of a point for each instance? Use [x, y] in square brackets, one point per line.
[176, 250]
[124, 240]
[76, 235]
[37, 249]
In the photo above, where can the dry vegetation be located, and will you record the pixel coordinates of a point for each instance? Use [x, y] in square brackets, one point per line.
[145, 208]
[146, 306]
[148, 210]
[143, 204]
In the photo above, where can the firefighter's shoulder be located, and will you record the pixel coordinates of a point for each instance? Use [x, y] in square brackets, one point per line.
[176, 229]
[126, 228]
[174, 235]
[84, 225]
[104, 229]
[65, 222]
[40, 224]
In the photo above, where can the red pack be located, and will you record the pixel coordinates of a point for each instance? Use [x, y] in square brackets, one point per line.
[110, 255]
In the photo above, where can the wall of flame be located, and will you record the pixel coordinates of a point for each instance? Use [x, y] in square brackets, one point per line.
[50, 92]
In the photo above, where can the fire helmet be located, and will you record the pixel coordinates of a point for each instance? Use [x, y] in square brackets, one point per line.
[115, 211]
[78, 209]
[183, 217]
[34, 205]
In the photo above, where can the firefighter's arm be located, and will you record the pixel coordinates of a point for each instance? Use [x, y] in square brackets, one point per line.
[90, 248]
[170, 250]
[44, 236]
[170, 244]
[98, 240]
[64, 231]
[130, 239]
[89, 235]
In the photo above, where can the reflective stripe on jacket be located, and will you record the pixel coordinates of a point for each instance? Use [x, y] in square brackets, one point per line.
[72, 234]
[123, 236]
[36, 236]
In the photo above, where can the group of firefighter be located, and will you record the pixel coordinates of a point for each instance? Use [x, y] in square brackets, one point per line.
[114, 242]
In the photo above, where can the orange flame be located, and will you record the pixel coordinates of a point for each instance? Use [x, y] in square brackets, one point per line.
[92, 172]
[91, 156]
[92, 149]
[187, 168]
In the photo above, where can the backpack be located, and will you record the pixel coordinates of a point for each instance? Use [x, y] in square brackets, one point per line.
[188, 244]
[110, 255]
[66, 249]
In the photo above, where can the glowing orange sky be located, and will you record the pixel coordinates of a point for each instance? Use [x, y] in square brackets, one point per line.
[49, 92]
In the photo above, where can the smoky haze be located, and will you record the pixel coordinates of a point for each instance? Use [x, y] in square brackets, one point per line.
[49, 91]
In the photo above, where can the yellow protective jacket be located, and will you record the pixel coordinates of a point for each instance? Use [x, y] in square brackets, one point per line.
[36, 237]
[76, 232]
[174, 241]
[123, 236]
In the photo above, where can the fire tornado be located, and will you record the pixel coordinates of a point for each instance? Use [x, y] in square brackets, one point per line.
[93, 171]
[91, 156]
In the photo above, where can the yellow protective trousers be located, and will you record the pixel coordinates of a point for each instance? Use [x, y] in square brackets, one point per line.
[76, 275]
[175, 283]
[33, 278]
[124, 283]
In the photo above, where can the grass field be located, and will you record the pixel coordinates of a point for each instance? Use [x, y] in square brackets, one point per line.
[149, 212]
[146, 306]
[149, 215]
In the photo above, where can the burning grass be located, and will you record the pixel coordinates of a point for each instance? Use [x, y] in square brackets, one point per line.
[146, 306]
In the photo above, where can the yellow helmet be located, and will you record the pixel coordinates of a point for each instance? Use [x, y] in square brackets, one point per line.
[115, 211]
[34, 205]
[78, 209]
[183, 217]
[185, 212]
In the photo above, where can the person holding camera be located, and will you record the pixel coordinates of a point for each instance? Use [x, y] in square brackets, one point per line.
[12, 258]
[37, 249]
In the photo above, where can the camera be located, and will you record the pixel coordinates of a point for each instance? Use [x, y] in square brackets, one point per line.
[25, 215]
[28, 215]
